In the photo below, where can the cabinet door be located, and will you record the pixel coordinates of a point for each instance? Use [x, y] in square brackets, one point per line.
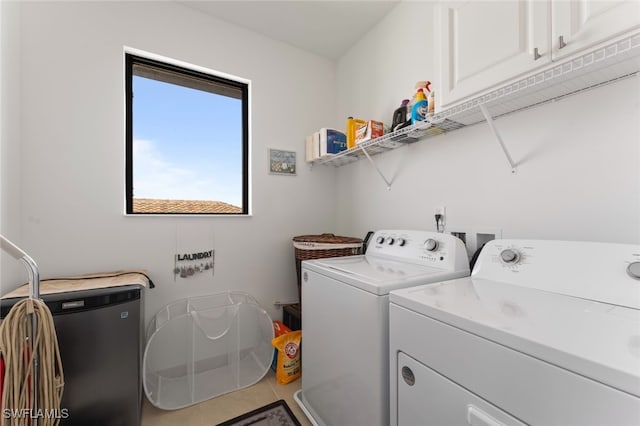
[585, 23]
[484, 43]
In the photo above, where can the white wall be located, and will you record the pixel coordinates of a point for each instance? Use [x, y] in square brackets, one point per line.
[72, 139]
[383, 67]
[578, 176]
[10, 182]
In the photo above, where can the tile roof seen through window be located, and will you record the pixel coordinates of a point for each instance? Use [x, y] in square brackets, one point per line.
[150, 205]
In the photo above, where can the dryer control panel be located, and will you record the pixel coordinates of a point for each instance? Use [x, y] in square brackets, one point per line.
[431, 248]
[604, 272]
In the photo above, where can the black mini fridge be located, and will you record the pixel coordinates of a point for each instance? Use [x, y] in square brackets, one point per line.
[100, 335]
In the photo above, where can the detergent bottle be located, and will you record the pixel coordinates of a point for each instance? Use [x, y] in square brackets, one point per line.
[352, 126]
[420, 107]
[351, 133]
[432, 102]
[400, 118]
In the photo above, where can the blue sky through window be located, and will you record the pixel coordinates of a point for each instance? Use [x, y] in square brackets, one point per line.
[187, 143]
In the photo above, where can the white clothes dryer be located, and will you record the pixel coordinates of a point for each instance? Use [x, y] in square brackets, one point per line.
[345, 342]
[541, 333]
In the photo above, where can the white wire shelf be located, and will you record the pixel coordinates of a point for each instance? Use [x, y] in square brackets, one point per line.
[603, 65]
[389, 141]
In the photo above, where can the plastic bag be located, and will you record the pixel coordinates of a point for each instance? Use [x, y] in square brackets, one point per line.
[289, 366]
[279, 328]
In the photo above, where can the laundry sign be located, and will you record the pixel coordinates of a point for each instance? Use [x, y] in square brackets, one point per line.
[189, 265]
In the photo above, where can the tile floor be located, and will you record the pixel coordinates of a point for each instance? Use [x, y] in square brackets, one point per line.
[225, 407]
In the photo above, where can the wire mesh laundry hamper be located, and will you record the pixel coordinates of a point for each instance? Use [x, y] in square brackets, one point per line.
[203, 347]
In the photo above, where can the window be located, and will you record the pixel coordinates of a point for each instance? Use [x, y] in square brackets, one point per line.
[187, 140]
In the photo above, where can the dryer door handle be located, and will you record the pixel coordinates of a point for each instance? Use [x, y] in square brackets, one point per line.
[477, 417]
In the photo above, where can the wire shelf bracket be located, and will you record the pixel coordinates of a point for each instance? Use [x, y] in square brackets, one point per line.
[387, 181]
[495, 132]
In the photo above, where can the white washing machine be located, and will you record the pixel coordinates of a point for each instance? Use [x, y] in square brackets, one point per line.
[345, 326]
[542, 333]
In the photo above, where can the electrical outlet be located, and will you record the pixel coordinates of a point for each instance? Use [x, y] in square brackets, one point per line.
[440, 223]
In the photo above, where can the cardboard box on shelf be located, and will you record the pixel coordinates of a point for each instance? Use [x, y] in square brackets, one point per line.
[371, 130]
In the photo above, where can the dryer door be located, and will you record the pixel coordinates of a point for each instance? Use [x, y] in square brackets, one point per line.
[427, 398]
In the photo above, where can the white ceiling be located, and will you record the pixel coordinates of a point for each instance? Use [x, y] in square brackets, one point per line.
[325, 27]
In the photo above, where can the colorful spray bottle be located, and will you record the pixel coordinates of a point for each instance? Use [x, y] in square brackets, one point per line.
[420, 107]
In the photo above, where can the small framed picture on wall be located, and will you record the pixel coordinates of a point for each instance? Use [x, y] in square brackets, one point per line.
[282, 162]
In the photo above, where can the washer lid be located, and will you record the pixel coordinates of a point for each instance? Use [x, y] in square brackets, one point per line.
[379, 275]
[594, 339]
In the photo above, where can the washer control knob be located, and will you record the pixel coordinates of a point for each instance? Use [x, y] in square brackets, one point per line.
[509, 256]
[401, 242]
[634, 270]
[380, 240]
[390, 241]
[431, 244]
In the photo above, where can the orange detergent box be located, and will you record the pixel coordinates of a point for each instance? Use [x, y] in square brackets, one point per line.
[370, 130]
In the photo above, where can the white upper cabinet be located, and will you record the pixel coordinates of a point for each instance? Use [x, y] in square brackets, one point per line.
[482, 43]
[485, 43]
[585, 23]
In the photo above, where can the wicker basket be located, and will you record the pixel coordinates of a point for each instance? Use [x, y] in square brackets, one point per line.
[308, 247]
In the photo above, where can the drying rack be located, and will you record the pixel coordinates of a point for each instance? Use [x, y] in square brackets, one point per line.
[34, 294]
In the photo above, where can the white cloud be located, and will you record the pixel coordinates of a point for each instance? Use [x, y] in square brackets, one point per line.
[157, 177]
